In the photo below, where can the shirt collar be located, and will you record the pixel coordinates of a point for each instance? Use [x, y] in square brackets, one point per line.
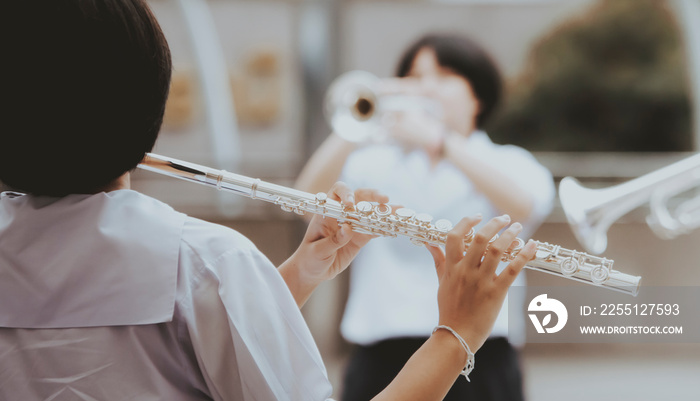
[87, 260]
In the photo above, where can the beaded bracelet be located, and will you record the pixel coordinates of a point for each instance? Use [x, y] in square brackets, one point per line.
[470, 355]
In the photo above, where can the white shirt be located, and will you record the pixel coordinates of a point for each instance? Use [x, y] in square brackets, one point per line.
[116, 296]
[393, 286]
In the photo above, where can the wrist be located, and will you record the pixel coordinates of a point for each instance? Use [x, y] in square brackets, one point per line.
[300, 283]
[473, 337]
[301, 264]
[452, 143]
[469, 359]
[437, 146]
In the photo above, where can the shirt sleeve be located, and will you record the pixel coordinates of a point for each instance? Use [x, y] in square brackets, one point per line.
[249, 337]
[521, 166]
[361, 164]
[352, 173]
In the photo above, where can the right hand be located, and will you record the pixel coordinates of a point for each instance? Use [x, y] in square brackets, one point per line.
[471, 293]
[416, 127]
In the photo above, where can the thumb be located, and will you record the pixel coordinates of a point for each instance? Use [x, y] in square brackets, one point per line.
[438, 257]
[328, 246]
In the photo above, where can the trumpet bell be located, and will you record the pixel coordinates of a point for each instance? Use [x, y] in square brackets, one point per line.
[358, 112]
[591, 212]
[350, 106]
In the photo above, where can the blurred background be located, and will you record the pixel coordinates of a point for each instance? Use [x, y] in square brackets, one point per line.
[602, 90]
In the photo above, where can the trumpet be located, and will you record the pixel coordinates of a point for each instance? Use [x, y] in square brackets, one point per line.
[591, 212]
[357, 112]
[382, 220]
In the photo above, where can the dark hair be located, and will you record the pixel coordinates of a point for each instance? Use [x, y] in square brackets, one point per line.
[465, 58]
[86, 83]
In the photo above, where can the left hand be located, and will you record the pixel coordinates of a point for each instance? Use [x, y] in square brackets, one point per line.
[328, 248]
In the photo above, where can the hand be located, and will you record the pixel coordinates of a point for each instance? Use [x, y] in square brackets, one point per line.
[416, 129]
[400, 86]
[414, 126]
[327, 248]
[471, 293]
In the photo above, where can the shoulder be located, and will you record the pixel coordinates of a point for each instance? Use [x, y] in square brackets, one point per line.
[509, 157]
[197, 234]
[521, 166]
[210, 242]
[218, 264]
[481, 141]
[206, 239]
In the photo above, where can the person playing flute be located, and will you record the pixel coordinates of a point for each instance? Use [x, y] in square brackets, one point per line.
[108, 294]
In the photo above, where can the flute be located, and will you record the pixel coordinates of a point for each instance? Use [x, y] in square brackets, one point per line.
[381, 220]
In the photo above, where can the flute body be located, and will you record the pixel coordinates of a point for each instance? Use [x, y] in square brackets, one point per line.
[380, 219]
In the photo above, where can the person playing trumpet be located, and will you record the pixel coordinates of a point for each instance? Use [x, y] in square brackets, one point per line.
[444, 164]
[106, 293]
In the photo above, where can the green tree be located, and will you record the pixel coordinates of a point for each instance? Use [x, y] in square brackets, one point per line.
[613, 79]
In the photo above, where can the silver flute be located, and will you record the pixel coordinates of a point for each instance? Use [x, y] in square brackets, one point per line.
[382, 220]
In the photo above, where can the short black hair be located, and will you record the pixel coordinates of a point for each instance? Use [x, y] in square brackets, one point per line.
[466, 58]
[86, 83]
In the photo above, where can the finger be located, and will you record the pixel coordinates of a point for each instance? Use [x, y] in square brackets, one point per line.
[393, 121]
[370, 195]
[328, 246]
[495, 250]
[482, 237]
[514, 246]
[454, 244]
[340, 191]
[438, 257]
[514, 268]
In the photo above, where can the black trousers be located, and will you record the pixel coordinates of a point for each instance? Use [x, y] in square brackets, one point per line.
[496, 375]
